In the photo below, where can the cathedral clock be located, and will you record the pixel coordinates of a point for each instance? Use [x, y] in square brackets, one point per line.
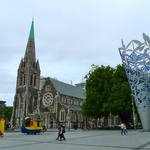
[47, 99]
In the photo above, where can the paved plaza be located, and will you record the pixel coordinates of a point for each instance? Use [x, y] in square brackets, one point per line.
[77, 140]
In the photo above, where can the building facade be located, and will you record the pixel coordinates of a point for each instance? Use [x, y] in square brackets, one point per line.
[45, 98]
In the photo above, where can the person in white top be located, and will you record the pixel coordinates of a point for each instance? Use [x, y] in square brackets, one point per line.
[122, 128]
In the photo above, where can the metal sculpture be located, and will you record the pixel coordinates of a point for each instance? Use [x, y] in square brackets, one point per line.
[136, 60]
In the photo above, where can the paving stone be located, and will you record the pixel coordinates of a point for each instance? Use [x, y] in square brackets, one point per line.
[76, 140]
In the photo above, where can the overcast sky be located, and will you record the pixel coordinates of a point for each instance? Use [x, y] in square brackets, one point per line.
[70, 36]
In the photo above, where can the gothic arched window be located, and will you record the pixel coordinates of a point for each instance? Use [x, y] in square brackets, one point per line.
[62, 115]
[24, 80]
[35, 80]
[74, 117]
[68, 100]
[21, 79]
[48, 88]
[31, 79]
[34, 64]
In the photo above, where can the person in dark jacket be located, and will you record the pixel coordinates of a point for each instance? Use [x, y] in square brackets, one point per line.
[61, 131]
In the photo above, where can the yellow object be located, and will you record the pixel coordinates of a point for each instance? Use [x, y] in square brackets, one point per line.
[34, 125]
[2, 126]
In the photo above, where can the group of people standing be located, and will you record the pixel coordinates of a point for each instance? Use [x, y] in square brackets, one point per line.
[124, 129]
[61, 131]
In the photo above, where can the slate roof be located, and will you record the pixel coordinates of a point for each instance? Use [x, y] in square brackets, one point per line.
[65, 89]
[72, 107]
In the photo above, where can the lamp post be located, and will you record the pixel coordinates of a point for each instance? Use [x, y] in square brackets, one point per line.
[68, 116]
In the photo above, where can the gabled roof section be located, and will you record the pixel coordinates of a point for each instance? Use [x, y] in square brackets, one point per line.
[65, 89]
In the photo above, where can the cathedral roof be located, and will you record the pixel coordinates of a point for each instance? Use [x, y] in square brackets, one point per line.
[72, 107]
[65, 89]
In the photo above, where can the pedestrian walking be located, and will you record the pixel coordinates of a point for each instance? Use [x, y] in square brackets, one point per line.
[44, 128]
[125, 129]
[122, 128]
[61, 131]
[58, 132]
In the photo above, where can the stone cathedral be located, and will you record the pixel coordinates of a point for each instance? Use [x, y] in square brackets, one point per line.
[47, 98]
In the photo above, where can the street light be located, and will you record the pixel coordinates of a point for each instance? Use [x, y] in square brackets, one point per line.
[69, 117]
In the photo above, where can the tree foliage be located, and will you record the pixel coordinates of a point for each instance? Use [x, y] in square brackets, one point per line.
[107, 90]
[8, 113]
[120, 98]
[98, 86]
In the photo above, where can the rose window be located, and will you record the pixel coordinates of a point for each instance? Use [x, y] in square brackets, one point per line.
[47, 99]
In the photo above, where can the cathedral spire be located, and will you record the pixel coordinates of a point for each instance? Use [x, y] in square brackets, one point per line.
[31, 34]
[30, 48]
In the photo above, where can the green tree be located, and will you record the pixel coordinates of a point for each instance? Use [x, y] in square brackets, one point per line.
[98, 87]
[107, 90]
[8, 112]
[120, 100]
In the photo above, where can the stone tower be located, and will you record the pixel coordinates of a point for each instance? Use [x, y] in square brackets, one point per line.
[28, 81]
